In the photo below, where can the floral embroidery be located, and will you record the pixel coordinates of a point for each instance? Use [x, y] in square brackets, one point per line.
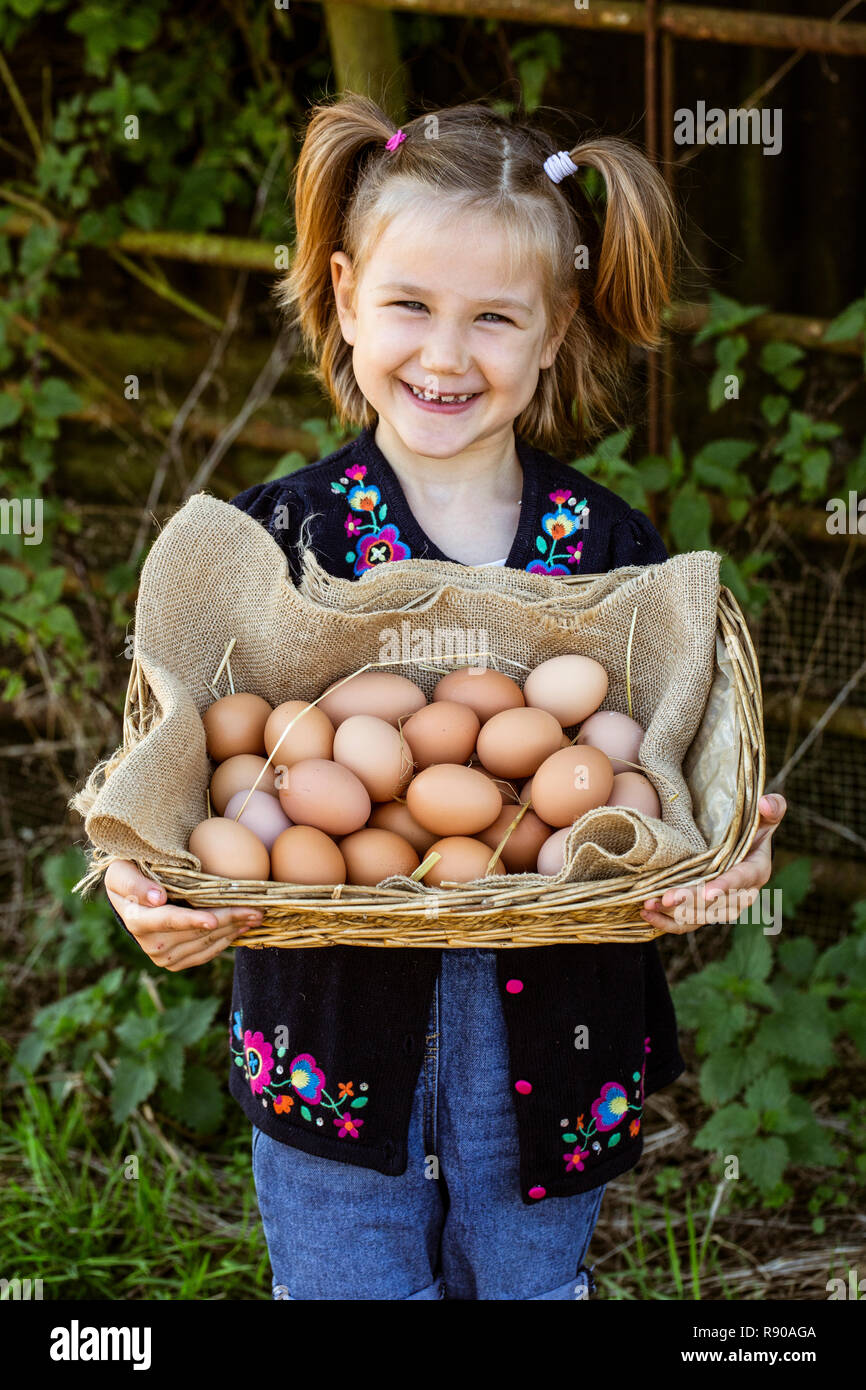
[556, 527]
[275, 1081]
[608, 1112]
[377, 544]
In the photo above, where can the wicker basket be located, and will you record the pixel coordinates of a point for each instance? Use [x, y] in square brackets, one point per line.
[478, 916]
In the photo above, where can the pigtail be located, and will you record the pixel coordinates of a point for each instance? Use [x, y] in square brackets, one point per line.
[632, 280]
[339, 140]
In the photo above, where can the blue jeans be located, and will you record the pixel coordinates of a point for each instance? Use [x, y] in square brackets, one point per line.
[453, 1225]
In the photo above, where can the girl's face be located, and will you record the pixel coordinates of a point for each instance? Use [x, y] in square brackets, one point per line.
[435, 316]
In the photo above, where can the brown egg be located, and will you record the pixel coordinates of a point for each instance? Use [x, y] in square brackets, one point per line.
[229, 850]
[380, 693]
[375, 752]
[484, 690]
[444, 732]
[631, 789]
[393, 815]
[520, 852]
[551, 856]
[463, 859]
[516, 742]
[526, 790]
[615, 734]
[311, 736]
[239, 774]
[453, 800]
[372, 854]
[568, 687]
[566, 741]
[507, 790]
[303, 854]
[571, 782]
[326, 795]
[235, 724]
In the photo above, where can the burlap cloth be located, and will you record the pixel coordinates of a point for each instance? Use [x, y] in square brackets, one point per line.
[215, 573]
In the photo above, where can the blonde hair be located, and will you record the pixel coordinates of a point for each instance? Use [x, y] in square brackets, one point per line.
[348, 187]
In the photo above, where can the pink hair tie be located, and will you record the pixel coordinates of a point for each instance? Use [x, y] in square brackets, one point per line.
[396, 139]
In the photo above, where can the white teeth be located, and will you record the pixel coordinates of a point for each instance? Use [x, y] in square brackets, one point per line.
[432, 396]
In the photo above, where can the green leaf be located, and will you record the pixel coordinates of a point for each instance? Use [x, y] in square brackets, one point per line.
[359, 1101]
[570, 1138]
[847, 325]
[541, 545]
[793, 882]
[726, 1071]
[774, 409]
[797, 957]
[10, 410]
[770, 1091]
[778, 357]
[764, 1161]
[200, 1104]
[654, 473]
[690, 519]
[132, 1083]
[730, 1125]
[305, 1111]
[801, 1029]
[750, 956]
[782, 478]
[725, 316]
[189, 1021]
[55, 398]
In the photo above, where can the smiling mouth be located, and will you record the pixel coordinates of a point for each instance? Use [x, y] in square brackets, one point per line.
[440, 398]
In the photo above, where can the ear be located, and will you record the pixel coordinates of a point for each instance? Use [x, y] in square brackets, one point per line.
[551, 347]
[343, 280]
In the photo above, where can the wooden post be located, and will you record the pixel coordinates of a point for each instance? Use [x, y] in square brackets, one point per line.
[366, 55]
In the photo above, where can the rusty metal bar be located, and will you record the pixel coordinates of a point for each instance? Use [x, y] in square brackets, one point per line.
[751, 28]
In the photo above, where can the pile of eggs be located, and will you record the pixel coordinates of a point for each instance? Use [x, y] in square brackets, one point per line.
[373, 778]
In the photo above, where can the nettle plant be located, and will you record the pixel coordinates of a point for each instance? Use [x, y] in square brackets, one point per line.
[771, 1021]
[795, 458]
[136, 1033]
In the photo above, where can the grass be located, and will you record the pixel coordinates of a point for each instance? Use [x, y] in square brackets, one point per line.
[114, 1217]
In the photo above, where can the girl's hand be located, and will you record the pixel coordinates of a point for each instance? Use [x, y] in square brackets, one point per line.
[173, 937]
[726, 898]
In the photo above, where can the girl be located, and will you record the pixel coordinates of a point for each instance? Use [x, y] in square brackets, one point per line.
[416, 1113]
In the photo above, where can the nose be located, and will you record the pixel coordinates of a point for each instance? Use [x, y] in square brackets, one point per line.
[443, 353]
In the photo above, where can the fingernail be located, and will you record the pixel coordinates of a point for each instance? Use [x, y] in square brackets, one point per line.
[154, 896]
[712, 895]
[651, 904]
[252, 921]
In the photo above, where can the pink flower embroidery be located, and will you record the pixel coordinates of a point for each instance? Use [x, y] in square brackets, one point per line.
[346, 1125]
[259, 1057]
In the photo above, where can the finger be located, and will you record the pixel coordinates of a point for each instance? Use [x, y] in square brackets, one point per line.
[203, 950]
[142, 920]
[772, 807]
[172, 918]
[122, 877]
[669, 924]
[167, 947]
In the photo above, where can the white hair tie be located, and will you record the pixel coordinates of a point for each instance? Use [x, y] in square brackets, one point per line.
[559, 166]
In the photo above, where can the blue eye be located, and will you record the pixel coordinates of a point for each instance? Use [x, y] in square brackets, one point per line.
[500, 318]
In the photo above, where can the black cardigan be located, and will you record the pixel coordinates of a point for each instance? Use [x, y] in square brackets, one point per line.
[338, 1080]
